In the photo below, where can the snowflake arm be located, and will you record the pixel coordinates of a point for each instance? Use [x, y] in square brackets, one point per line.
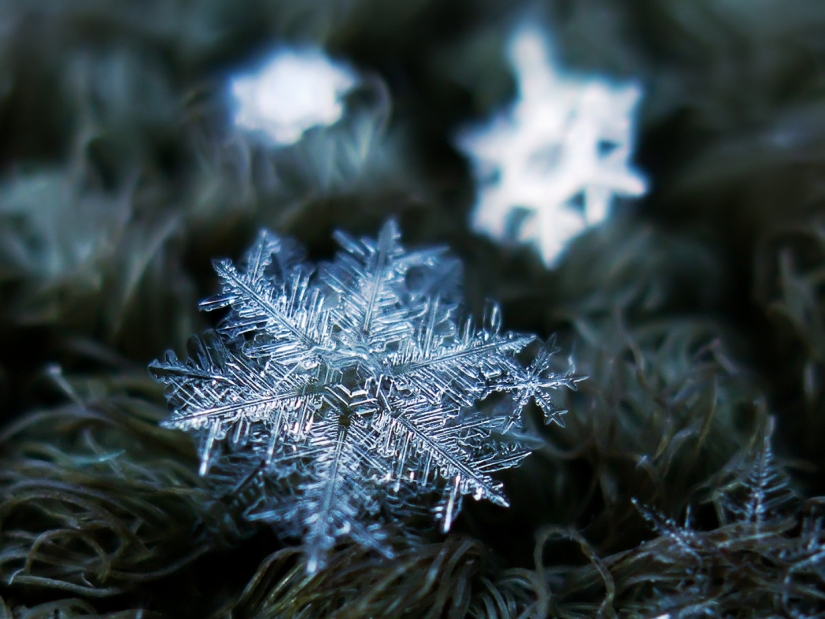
[460, 364]
[222, 394]
[333, 498]
[281, 304]
[422, 446]
[375, 309]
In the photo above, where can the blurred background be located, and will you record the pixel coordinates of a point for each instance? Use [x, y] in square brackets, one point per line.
[128, 161]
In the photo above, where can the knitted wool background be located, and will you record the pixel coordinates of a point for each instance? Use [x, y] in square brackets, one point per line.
[689, 478]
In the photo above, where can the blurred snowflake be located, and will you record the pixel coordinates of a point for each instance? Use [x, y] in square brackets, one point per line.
[296, 89]
[550, 167]
[357, 387]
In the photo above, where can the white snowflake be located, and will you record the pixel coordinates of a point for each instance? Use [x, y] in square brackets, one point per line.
[356, 385]
[295, 90]
[551, 166]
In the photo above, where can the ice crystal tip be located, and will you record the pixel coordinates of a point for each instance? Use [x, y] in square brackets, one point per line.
[550, 167]
[358, 385]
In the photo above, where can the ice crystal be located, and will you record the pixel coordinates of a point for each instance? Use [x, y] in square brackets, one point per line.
[760, 492]
[358, 385]
[765, 548]
[552, 165]
[754, 506]
[295, 90]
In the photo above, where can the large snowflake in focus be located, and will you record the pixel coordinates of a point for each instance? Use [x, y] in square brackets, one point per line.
[551, 166]
[357, 385]
[295, 90]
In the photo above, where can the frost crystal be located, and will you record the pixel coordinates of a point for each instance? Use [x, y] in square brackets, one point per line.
[356, 386]
[761, 491]
[294, 91]
[551, 167]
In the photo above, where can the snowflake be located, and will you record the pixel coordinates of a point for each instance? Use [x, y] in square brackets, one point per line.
[357, 385]
[754, 505]
[551, 167]
[295, 90]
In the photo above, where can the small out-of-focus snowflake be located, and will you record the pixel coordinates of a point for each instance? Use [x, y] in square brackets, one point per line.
[551, 165]
[296, 89]
[356, 388]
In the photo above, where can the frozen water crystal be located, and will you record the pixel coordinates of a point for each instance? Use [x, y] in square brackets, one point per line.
[358, 384]
[295, 90]
[551, 166]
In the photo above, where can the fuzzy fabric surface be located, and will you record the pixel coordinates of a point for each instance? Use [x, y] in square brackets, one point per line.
[689, 478]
